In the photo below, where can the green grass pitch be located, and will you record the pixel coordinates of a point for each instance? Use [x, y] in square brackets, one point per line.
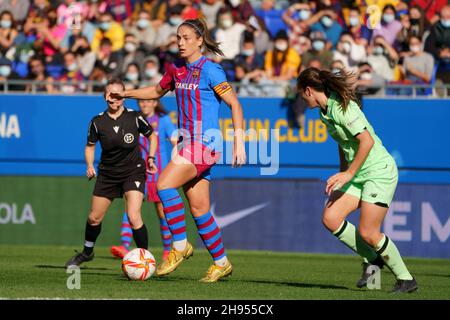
[38, 272]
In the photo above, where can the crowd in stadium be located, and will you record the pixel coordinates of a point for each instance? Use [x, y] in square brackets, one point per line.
[265, 43]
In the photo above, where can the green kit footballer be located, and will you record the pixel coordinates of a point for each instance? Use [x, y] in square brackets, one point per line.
[368, 176]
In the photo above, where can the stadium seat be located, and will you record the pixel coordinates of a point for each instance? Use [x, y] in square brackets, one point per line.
[273, 20]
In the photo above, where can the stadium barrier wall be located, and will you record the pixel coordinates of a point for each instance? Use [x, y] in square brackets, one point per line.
[257, 214]
[45, 200]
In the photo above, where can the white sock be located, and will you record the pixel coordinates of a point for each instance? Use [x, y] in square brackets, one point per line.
[89, 244]
[221, 262]
[180, 245]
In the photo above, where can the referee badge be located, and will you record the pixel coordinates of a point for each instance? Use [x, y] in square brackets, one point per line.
[128, 138]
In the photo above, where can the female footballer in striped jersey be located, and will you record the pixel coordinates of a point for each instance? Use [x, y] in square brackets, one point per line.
[369, 178]
[200, 85]
[157, 117]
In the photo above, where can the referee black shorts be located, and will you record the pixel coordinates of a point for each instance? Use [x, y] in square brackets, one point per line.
[113, 183]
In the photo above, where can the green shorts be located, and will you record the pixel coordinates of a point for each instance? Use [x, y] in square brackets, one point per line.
[375, 184]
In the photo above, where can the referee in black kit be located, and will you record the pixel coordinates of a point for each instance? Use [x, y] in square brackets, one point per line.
[121, 171]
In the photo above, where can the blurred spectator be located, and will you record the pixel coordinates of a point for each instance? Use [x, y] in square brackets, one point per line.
[49, 35]
[18, 8]
[38, 73]
[121, 10]
[95, 8]
[131, 52]
[389, 26]
[296, 17]
[356, 27]
[70, 10]
[37, 11]
[318, 51]
[413, 24]
[417, 65]
[249, 59]
[241, 10]
[210, 9]
[99, 77]
[369, 80]
[22, 54]
[171, 26]
[190, 10]
[383, 58]
[267, 5]
[107, 60]
[83, 27]
[132, 76]
[157, 10]
[337, 66]
[108, 29]
[257, 28]
[326, 22]
[431, 8]
[84, 56]
[8, 32]
[6, 73]
[349, 52]
[144, 32]
[72, 80]
[438, 44]
[168, 53]
[151, 74]
[283, 62]
[229, 35]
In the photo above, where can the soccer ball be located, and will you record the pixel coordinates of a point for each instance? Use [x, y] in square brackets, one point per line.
[138, 264]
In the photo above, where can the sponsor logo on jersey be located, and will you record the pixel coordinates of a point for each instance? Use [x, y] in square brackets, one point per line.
[116, 128]
[128, 138]
[187, 86]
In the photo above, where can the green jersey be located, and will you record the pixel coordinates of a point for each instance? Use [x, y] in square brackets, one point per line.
[345, 126]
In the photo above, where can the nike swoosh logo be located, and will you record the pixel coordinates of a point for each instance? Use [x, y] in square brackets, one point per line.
[226, 220]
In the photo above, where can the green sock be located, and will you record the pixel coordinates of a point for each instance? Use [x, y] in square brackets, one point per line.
[392, 258]
[348, 234]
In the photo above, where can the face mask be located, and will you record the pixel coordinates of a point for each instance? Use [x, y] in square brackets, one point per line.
[388, 18]
[248, 52]
[414, 21]
[150, 73]
[132, 76]
[72, 67]
[378, 50]
[82, 50]
[326, 21]
[105, 26]
[175, 21]
[173, 49]
[282, 46]
[318, 45]
[445, 23]
[5, 24]
[130, 47]
[366, 76]
[235, 3]
[354, 21]
[5, 71]
[227, 23]
[336, 70]
[415, 48]
[24, 57]
[346, 47]
[143, 23]
[304, 14]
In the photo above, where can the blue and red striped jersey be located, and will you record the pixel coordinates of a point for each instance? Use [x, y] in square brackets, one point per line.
[198, 88]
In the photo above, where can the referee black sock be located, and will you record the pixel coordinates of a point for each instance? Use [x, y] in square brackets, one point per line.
[90, 235]
[140, 236]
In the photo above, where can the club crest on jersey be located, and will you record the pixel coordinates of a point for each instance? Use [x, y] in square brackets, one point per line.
[196, 74]
[128, 138]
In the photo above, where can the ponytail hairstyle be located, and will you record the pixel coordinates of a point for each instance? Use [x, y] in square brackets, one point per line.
[201, 30]
[342, 83]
